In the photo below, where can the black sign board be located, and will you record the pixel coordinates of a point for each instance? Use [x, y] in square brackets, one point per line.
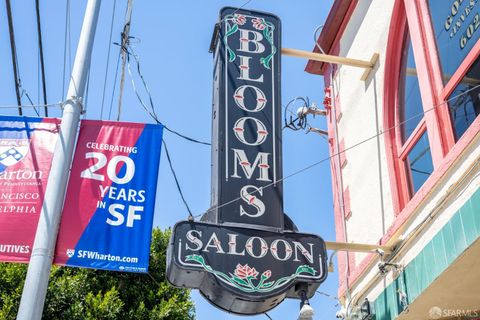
[253, 268]
[246, 256]
[247, 120]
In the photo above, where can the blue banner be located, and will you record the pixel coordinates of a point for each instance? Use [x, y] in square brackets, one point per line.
[108, 213]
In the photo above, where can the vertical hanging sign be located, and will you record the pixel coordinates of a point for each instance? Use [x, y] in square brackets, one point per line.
[244, 256]
[26, 150]
[249, 130]
[108, 213]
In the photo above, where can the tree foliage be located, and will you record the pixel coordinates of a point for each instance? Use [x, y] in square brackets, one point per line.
[75, 293]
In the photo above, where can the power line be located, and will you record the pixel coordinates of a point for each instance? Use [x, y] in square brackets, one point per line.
[124, 44]
[176, 179]
[67, 10]
[58, 104]
[108, 58]
[87, 90]
[30, 100]
[184, 136]
[340, 152]
[151, 112]
[331, 296]
[14, 55]
[116, 75]
[236, 10]
[42, 62]
[114, 86]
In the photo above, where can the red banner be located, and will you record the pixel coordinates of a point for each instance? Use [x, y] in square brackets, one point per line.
[26, 150]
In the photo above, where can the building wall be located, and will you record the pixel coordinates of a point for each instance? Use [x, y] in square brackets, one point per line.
[444, 206]
[362, 113]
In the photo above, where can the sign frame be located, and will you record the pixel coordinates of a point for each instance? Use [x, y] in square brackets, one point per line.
[247, 193]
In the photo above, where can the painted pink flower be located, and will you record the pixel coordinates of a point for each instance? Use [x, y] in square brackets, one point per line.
[258, 23]
[239, 19]
[267, 274]
[244, 272]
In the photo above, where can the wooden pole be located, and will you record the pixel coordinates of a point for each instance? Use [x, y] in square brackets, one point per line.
[327, 58]
[356, 247]
[367, 65]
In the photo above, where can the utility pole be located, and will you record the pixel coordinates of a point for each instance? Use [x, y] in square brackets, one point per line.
[123, 50]
[36, 282]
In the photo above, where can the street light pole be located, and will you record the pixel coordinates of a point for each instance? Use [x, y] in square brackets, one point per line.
[36, 282]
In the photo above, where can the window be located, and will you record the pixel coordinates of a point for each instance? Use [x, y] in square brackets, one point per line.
[431, 100]
[456, 25]
[412, 142]
[464, 101]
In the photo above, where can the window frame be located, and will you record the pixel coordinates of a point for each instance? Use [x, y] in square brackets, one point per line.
[400, 176]
[405, 147]
[419, 10]
[436, 121]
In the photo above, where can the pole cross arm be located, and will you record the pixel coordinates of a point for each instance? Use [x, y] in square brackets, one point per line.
[357, 247]
[367, 65]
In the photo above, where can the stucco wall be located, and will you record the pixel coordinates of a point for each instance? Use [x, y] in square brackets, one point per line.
[366, 173]
[361, 103]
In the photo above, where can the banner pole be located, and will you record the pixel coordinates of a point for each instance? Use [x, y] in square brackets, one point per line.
[36, 282]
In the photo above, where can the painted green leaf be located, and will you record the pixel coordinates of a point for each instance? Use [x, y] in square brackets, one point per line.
[306, 269]
[196, 258]
[267, 284]
[231, 30]
[267, 35]
[240, 281]
[266, 62]
[231, 55]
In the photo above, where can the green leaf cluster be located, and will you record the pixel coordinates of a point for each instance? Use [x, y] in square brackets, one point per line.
[75, 293]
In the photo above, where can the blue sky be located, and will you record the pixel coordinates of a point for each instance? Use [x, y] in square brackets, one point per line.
[172, 40]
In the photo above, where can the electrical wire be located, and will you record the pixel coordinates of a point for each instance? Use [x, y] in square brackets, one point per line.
[42, 61]
[38, 75]
[337, 167]
[328, 296]
[116, 74]
[176, 179]
[268, 316]
[243, 5]
[87, 91]
[302, 121]
[58, 104]
[114, 85]
[125, 37]
[130, 52]
[153, 115]
[66, 36]
[30, 100]
[13, 49]
[338, 153]
[108, 58]
[151, 111]
[185, 137]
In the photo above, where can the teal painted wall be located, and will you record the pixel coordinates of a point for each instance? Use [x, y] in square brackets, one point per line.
[459, 233]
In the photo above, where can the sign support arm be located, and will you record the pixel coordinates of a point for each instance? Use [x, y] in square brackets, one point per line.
[356, 247]
[367, 65]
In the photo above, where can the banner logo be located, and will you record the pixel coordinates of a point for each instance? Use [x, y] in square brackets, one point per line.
[13, 151]
[70, 253]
